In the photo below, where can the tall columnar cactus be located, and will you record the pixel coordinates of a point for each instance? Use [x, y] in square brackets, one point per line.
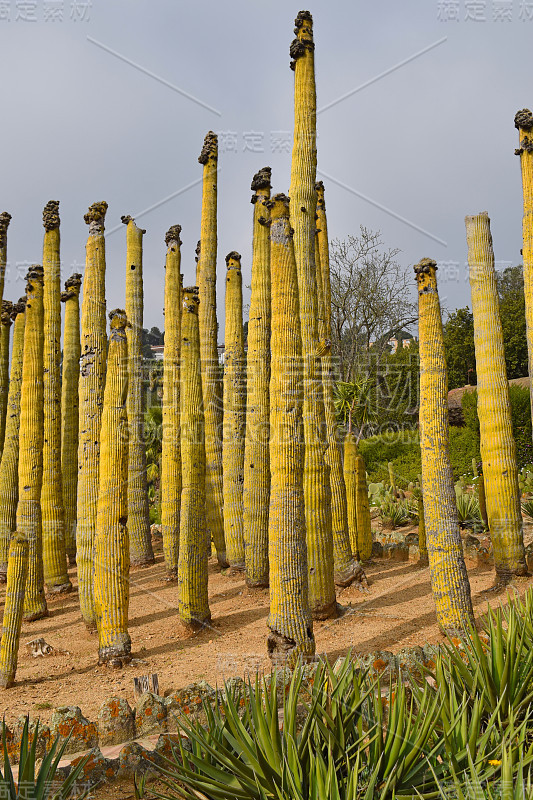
[302, 209]
[111, 545]
[52, 508]
[347, 568]
[256, 488]
[70, 409]
[5, 325]
[497, 445]
[194, 536]
[211, 386]
[171, 449]
[350, 483]
[234, 415]
[364, 529]
[524, 123]
[91, 398]
[9, 488]
[449, 578]
[138, 512]
[17, 573]
[291, 628]
[30, 470]
[5, 219]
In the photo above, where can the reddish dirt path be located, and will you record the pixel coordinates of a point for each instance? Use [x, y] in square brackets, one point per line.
[397, 612]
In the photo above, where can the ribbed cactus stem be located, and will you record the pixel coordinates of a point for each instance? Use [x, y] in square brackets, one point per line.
[111, 545]
[497, 445]
[211, 384]
[52, 508]
[5, 325]
[30, 471]
[481, 495]
[364, 528]
[317, 489]
[346, 567]
[194, 536]
[234, 415]
[256, 491]
[9, 489]
[5, 219]
[17, 573]
[449, 578]
[422, 544]
[91, 398]
[70, 409]
[524, 123]
[291, 628]
[141, 552]
[171, 448]
[350, 482]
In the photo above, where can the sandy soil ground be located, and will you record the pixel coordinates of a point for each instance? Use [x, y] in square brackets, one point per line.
[396, 612]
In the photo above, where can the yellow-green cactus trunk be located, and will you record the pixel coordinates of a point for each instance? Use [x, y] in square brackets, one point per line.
[256, 489]
[364, 528]
[290, 622]
[422, 544]
[524, 123]
[70, 409]
[317, 489]
[141, 551]
[4, 368]
[52, 508]
[30, 471]
[211, 383]
[17, 573]
[346, 567]
[171, 448]
[91, 398]
[111, 545]
[234, 415]
[9, 487]
[497, 445]
[5, 325]
[449, 578]
[194, 535]
[350, 482]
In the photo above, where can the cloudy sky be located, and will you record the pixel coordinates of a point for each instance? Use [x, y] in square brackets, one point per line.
[110, 100]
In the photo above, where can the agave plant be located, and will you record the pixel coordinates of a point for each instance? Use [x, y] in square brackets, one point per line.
[527, 508]
[394, 513]
[43, 783]
[354, 404]
[468, 509]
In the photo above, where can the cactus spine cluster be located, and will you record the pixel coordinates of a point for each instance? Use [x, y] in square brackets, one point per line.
[497, 445]
[256, 488]
[171, 449]
[91, 398]
[234, 415]
[317, 490]
[211, 385]
[70, 409]
[449, 578]
[53, 511]
[111, 542]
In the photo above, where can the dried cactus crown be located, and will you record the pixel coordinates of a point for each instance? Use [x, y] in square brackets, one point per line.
[173, 235]
[523, 119]
[233, 256]
[19, 307]
[197, 251]
[278, 198]
[424, 266]
[210, 148]
[7, 310]
[96, 213]
[261, 179]
[301, 44]
[72, 286]
[35, 273]
[51, 215]
[5, 219]
[118, 318]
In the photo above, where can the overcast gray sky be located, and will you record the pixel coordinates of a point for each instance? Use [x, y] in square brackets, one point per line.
[409, 154]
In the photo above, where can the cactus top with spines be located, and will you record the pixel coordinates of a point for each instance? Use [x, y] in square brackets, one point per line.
[261, 180]
[7, 311]
[5, 219]
[232, 257]
[118, 322]
[51, 215]
[95, 217]
[173, 235]
[210, 148]
[127, 218]
[304, 37]
[35, 273]
[18, 308]
[523, 119]
[72, 286]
